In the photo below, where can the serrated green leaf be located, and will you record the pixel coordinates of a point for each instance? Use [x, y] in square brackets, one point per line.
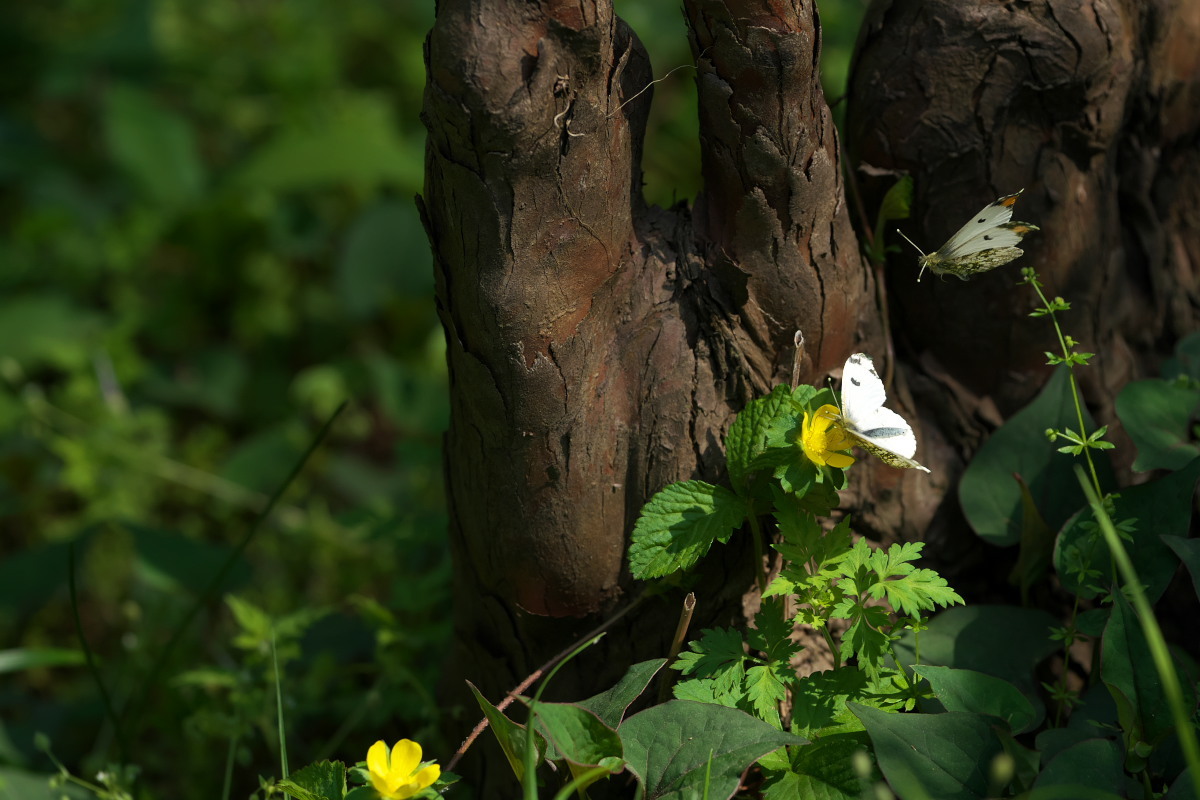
[719, 654]
[679, 525]
[747, 436]
[325, 780]
[765, 689]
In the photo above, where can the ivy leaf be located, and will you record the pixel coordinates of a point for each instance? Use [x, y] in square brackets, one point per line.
[678, 526]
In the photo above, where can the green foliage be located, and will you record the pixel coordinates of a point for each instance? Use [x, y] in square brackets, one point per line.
[991, 499]
[210, 244]
[679, 525]
[710, 747]
[1159, 416]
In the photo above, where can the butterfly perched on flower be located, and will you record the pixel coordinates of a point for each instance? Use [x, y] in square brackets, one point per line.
[878, 430]
[988, 240]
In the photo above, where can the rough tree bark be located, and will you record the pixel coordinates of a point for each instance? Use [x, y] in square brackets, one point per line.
[1094, 109]
[599, 348]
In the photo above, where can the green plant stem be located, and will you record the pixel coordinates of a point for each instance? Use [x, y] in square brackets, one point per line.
[109, 710]
[218, 580]
[283, 759]
[760, 573]
[530, 782]
[837, 658]
[229, 756]
[1154, 638]
[583, 780]
[1066, 351]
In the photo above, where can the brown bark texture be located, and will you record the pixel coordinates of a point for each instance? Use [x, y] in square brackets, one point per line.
[599, 348]
[1093, 108]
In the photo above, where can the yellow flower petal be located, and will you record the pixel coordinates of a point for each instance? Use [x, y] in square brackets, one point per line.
[428, 776]
[377, 765]
[406, 757]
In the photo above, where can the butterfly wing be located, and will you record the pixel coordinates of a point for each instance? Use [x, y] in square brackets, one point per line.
[878, 430]
[988, 240]
[862, 390]
[990, 216]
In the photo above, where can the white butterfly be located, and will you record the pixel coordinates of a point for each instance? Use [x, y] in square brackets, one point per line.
[879, 430]
[987, 241]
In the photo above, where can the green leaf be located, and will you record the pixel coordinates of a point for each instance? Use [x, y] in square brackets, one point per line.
[17, 784]
[747, 437]
[577, 734]
[1188, 551]
[1158, 417]
[679, 525]
[719, 654]
[169, 561]
[380, 262]
[47, 329]
[1161, 508]
[1128, 670]
[819, 701]
[1186, 361]
[823, 770]
[325, 780]
[676, 748]
[1003, 641]
[155, 146]
[898, 200]
[23, 658]
[968, 690]
[765, 689]
[510, 735]
[1091, 769]
[610, 706]
[991, 499]
[352, 139]
[946, 756]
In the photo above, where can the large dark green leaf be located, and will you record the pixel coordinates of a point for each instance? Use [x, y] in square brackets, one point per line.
[1158, 416]
[991, 499]
[1004, 641]
[678, 748]
[610, 706]
[577, 734]
[1129, 672]
[154, 145]
[1091, 769]
[947, 756]
[975, 692]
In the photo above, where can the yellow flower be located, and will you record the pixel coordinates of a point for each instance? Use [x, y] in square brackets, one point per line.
[821, 436]
[395, 775]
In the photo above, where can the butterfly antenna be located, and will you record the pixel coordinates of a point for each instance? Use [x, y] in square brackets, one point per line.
[924, 263]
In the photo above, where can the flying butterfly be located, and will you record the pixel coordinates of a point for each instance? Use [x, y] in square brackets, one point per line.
[988, 240]
[878, 430]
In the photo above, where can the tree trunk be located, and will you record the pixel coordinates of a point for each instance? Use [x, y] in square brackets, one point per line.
[599, 348]
[1094, 109]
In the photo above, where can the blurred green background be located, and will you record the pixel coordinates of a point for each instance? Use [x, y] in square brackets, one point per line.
[209, 241]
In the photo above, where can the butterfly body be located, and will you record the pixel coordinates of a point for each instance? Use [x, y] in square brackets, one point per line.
[988, 240]
[878, 430]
